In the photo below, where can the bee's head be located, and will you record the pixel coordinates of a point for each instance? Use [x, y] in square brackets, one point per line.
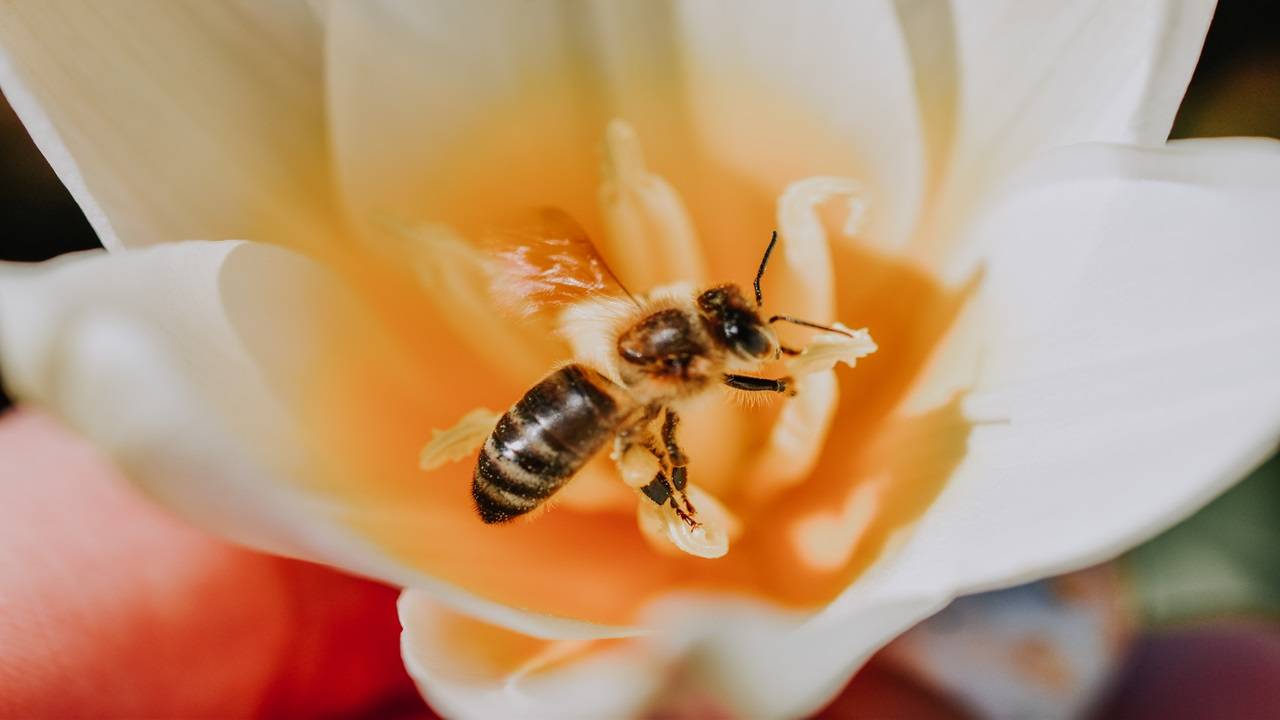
[735, 323]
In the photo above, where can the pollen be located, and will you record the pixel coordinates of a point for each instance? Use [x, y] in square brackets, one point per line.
[828, 349]
[459, 441]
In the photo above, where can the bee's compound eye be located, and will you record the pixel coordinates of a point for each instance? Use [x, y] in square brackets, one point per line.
[754, 342]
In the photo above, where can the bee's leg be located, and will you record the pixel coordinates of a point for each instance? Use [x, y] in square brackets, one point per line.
[667, 484]
[679, 461]
[658, 490]
[784, 385]
[661, 491]
[637, 431]
[669, 424]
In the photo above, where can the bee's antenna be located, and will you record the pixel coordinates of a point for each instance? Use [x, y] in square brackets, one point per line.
[808, 324]
[773, 240]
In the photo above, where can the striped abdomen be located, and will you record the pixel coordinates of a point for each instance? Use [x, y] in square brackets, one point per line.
[543, 440]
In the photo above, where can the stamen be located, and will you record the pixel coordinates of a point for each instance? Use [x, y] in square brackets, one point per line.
[796, 439]
[650, 237]
[825, 350]
[805, 248]
[459, 441]
[665, 528]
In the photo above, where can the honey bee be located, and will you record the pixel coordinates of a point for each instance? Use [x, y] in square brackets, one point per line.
[658, 351]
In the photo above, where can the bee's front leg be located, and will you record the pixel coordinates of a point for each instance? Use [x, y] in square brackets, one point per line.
[784, 385]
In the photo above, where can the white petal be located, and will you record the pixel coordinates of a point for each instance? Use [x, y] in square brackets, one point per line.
[452, 112]
[1009, 79]
[175, 119]
[467, 669]
[765, 662]
[1132, 373]
[192, 365]
[434, 103]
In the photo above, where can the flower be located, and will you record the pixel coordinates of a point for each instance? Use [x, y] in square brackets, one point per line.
[1075, 341]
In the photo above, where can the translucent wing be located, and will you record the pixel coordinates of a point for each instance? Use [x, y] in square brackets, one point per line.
[546, 264]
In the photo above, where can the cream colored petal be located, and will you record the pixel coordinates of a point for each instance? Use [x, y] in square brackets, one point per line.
[1009, 79]
[432, 103]
[760, 661]
[469, 669]
[174, 119]
[1131, 369]
[200, 368]
[455, 112]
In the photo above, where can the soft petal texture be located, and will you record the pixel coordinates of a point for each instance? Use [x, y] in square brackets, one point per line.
[112, 608]
[730, 107]
[469, 669]
[1131, 371]
[742, 658]
[176, 119]
[1003, 80]
[209, 345]
[783, 91]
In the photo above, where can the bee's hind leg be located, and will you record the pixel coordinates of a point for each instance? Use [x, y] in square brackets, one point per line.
[679, 461]
[679, 474]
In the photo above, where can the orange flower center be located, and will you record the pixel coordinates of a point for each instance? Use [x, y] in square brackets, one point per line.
[809, 527]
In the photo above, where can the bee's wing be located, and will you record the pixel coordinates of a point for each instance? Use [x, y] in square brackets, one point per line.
[547, 263]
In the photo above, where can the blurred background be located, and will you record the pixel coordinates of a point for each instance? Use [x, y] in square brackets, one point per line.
[1184, 626]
